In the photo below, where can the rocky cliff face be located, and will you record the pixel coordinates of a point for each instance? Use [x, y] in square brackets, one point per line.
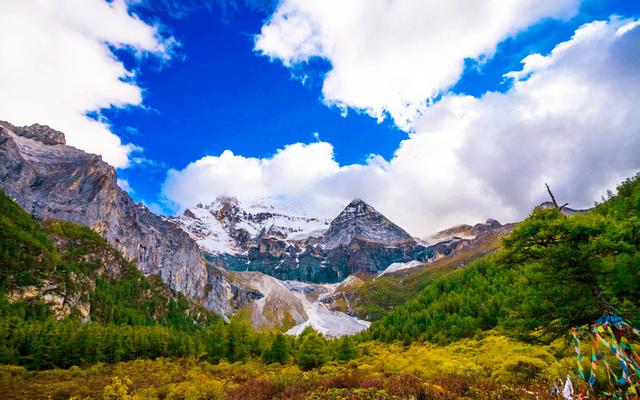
[460, 237]
[52, 180]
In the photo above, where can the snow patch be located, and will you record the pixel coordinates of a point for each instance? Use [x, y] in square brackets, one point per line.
[400, 266]
[329, 323]
[213, 229]
[207, 231]
[294, 297]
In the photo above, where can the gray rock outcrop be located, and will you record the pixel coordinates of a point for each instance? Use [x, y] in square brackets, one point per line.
[52, 180]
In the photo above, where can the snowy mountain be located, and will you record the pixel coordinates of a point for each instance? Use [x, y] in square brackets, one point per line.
[360, 221]
[226, 226]
[289, 244]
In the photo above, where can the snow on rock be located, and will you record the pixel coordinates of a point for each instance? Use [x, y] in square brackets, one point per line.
[277, 304]
[203, 226]
[319, 317]
[226, 225]
[301, 302]
[329, 323]
[400, 266]
[288, 217]
[361, 221]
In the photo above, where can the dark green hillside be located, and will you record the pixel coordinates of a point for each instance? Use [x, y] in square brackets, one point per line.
[371, 299]
[553, 272]
[74, 263]
[27, 254]
[108, 311]
[130, 315]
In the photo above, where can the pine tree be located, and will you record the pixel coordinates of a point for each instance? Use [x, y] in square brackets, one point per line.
[278, 352]
[346, 349]
[312, 352]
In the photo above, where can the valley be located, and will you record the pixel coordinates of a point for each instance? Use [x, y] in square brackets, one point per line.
[210, 262]
[264, 290]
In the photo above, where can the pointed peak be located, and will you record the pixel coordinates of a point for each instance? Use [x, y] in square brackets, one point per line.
[492, 222]
[189, 214]
[357, 206]
[357, 201]
[360, 220]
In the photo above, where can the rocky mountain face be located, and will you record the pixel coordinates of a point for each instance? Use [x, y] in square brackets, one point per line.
[53, 181]
[450, 240]
[361, 222]
[371, 297]
[300, 247]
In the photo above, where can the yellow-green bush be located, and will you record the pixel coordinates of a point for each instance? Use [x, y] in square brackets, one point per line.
[199, 389]
[66, 390]
[7, 371]
[491, 359]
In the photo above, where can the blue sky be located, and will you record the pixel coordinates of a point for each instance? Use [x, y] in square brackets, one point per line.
[403, 103]
[218, 94]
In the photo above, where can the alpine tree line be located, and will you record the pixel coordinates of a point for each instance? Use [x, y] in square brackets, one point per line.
[44, 344]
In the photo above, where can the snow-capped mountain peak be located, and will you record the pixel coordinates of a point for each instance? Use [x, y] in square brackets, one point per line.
[361, 221]
[228, 226]
[283, 241]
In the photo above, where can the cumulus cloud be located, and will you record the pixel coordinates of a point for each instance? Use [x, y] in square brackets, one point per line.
[394, 57]
[569, 119]
[57, 66]
[292, 171]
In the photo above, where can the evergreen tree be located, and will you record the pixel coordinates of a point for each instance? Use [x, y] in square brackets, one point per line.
[278, 351]
[312, 351]
[346, 349]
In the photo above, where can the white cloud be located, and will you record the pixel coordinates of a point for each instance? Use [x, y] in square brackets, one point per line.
[570, 119]
[124, 185]
[395, 56]
[293, 170]
[56, 66]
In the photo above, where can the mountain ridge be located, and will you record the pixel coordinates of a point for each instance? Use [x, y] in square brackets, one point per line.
[295, 247]
[54, 181]
[74, 272]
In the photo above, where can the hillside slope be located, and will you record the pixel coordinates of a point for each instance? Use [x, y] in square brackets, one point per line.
[67, 270]
[554, 271]
[371, 298]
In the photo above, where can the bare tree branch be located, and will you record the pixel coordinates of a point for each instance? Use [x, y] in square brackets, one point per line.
[553, 198]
